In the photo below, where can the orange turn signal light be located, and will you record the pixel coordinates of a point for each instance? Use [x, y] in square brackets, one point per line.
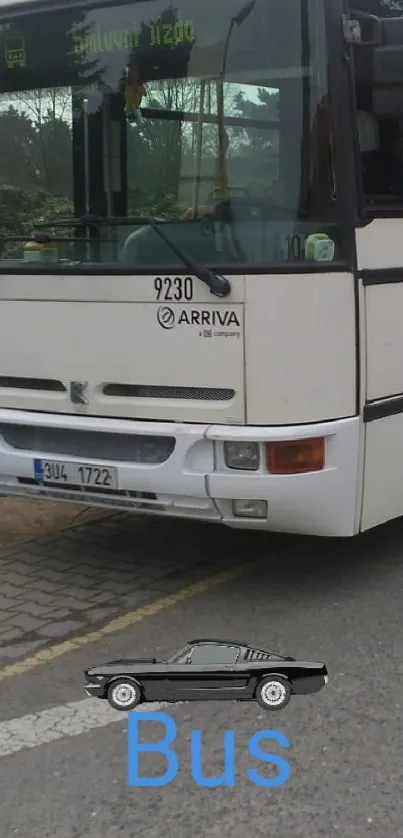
[298, 456]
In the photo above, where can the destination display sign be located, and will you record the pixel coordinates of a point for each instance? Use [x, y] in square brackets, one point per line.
[101, 40]
[182, 32]
[93, 45]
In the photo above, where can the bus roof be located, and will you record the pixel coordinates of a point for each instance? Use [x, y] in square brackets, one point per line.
[9, 4]
[15, 6]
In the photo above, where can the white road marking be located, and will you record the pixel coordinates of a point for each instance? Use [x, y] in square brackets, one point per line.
[59, 722]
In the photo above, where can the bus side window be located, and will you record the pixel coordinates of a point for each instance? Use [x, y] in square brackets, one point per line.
[381, 157]
[379, 101]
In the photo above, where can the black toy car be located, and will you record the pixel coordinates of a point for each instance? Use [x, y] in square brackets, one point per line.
[206, 670]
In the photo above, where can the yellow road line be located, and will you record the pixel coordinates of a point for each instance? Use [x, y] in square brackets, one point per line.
[125, 621]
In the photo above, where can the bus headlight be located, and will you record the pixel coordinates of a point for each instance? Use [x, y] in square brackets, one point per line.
[244, 456]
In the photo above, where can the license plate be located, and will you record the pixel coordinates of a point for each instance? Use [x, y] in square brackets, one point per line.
[84, 475]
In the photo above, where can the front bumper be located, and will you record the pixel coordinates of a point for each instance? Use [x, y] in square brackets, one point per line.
[94, 690]
[194, 481]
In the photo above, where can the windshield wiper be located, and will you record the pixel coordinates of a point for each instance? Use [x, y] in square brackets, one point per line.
[219, 285]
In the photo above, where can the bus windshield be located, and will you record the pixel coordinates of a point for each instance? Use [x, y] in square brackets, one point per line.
[211, 117]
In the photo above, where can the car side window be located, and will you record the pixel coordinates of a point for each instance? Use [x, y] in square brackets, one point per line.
[214, 654]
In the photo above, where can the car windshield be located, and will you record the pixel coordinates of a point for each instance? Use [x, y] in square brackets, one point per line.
[210, 116]
[179, 657]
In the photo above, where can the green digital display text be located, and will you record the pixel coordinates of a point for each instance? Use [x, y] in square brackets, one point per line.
[164, 34]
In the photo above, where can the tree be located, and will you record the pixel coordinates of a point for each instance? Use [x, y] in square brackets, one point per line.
[266, 108]
[41, 119]
[20, 211]
[163, 153]
[17, 141]
[35, 125]
[157, 148]
[53, 156]
[35, 165]
[259, 145]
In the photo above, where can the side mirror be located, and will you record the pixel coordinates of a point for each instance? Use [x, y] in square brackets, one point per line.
[378, 57]
[388, 55]
[387, 97]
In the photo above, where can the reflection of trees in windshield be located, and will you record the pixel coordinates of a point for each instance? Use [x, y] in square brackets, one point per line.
[155, 146]
[36, 151]
[162, 154]
[35, 159]
[259, 147]
[172, 155]
[163, 151]
[35, 125]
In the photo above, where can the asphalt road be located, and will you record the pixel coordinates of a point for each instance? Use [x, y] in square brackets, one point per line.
[63, 769]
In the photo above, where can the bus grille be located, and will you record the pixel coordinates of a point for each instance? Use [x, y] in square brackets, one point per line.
[143, 391]
[89, 445]
[45, 385]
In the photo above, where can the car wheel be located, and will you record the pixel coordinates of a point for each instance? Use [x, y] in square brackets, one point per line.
[273, 693]
[124, 694]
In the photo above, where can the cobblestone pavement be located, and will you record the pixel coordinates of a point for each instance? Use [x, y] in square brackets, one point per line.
[57, 586]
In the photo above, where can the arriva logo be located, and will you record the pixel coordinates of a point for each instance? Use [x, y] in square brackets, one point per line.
[197, 317]
[166, 317]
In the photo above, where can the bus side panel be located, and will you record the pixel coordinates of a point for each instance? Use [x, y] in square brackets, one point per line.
[379, 249]
[300, 341]
[384, 316]
[383, 475]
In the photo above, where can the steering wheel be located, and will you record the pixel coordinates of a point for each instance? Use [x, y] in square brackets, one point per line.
[210, 216]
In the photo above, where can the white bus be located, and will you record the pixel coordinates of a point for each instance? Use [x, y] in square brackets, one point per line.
[201, 259]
